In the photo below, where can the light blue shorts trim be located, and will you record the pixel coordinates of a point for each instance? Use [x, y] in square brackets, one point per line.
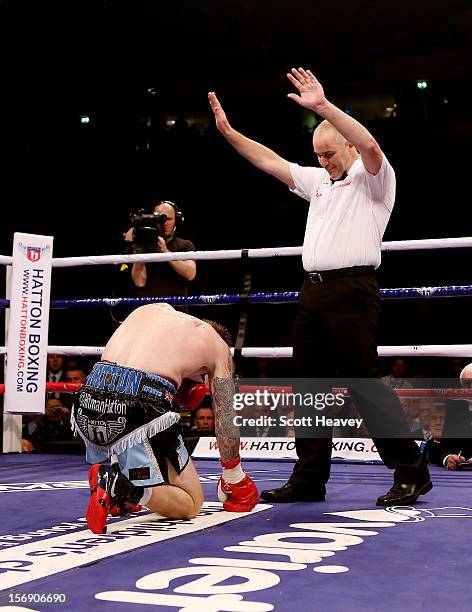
[140, 455]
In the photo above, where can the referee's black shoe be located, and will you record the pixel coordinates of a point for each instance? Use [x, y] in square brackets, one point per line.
[404, 494]
[288, 493]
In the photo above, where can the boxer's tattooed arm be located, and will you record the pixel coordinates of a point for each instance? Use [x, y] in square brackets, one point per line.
[227, 433]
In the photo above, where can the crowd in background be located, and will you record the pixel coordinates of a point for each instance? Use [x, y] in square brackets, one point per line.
[51, 431]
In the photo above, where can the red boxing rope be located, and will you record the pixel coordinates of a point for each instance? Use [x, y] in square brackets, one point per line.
[57, 386]
[65, 387]
[446, 393]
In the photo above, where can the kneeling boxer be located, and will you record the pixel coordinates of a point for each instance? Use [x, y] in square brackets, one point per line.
[124, 412]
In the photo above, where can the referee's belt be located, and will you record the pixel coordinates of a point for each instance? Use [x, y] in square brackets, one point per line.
[324, 276]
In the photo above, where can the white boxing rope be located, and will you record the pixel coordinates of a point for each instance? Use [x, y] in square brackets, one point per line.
[398, 245]
[427, 350]
[430, 243]
[98, 260]
[279, 352]
[271, 352]
[95, 260]
[76, 350]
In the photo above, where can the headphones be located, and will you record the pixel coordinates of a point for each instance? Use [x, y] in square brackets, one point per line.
[179, 217]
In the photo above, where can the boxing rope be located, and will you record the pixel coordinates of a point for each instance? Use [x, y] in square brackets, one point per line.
[395, 245]
[274, 297]
[64, 387]
[284, 352]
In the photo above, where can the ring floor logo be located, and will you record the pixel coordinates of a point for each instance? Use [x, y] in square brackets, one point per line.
[210, 583]
[29, 556]
[23, 487]
[208, 589]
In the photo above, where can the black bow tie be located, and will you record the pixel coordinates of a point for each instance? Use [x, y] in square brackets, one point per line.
[341, 178]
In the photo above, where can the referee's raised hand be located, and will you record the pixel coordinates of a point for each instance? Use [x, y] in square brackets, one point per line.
[221, 120]
[311, 92]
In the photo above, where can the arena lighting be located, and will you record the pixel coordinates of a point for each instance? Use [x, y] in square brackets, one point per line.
[422, 84]
[84, 119]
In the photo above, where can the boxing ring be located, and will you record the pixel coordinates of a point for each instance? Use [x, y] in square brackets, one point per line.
[342, 554]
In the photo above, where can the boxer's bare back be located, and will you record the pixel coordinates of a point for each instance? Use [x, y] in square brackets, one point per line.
[158, 339]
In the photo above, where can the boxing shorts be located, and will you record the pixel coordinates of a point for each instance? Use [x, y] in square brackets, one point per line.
[128, 412]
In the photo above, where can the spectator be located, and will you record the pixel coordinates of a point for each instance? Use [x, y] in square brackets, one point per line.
[204, 422]
[396, 379]
[55, 365]
[55, 372]
[456, 441]
[420, 427]
[436, 420]
[52, 426]
[436, 425]
[167, 278]
[31, 423]
[74, 374]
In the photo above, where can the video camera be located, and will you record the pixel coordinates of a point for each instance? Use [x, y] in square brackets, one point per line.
[145, 230]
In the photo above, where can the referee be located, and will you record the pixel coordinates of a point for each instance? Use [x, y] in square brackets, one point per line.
[351, 198]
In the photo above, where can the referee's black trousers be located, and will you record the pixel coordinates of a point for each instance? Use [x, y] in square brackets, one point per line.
[335, 335]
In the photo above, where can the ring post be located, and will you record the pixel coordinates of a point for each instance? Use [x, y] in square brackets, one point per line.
[28, 326]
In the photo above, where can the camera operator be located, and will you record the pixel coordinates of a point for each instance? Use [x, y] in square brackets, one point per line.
[159, 235]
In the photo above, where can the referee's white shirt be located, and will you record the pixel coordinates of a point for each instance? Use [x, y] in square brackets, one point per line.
[347, 219]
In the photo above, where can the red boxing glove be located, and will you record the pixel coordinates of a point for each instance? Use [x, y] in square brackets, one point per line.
[191, 397]
[241, 496]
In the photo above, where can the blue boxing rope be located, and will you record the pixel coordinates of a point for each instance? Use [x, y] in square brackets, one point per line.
[422, 292]
[277, 297]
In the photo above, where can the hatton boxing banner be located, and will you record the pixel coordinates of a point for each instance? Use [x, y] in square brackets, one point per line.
[359, 449]
[345, 449]
[28, 326]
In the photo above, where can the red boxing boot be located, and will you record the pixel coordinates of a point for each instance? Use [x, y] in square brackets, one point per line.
[110, 493]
